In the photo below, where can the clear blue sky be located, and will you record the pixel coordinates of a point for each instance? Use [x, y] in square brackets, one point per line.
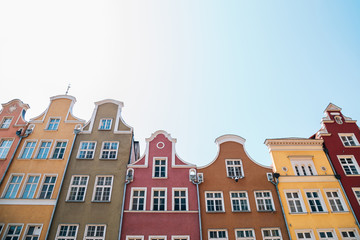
[197, 69]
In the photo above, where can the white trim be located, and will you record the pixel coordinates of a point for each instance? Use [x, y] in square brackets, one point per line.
[48, 123]
[349, 135]
[356, 165]
[166, 167]
[157, 237]
[327, 230]
[79, 149]
[130, 237]
[349, 229]
[270, 229]
[340, 197]
[102, 149]
[43, 182]
[3, 121]
[26, 181]
[305, 231]
[323, 205]
[357, 197]
[32, 225]
[300, 198]
[2, 226]
[132, 194]
[8, 183]
[66, 237]
[218, 230]
[298, 179]
[271, 198]
[214, 199]
[54, 147]
[94, 237]
[13, 224]
[24, 146]
[238, 198]
[241, 166]
[39, 146]
[152, 198]
[101, 123]
[186, 198]
[77, 188]
[174, 237]
[95, 185]
[19, 201]
[244, 229]
[7, 139]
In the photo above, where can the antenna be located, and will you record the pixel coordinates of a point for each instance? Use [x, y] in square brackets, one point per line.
[67, 90]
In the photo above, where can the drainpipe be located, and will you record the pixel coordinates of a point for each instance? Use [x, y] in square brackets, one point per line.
[337, 176]
[127, 181]
[27, 133]
[195, 179]
[76, 131]
[199, 213]
[281, 205]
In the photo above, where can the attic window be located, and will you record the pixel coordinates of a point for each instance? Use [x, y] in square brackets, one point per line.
[234, 168]
[338, 120]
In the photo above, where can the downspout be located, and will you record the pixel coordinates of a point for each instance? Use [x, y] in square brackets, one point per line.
[122, 209]
[342, 187]
[199, 213]
[76, 131]
[281, 205]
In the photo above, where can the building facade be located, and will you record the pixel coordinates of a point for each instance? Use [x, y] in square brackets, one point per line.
[341, 137]
[31, 185]
[237, 199]
[313, 200]
[90, 201]
[160, 200]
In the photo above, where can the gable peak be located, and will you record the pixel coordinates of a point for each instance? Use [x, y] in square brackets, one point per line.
[332, 107]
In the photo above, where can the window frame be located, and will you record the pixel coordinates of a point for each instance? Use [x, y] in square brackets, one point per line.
[340, 197]
[271, 198]
[26, 182]
[132, 197]
[103, 186]
[214, 199]
[66, 237]
[327, 230]
[321, 199]
[175, 237]
[162, 237]
[39, 148]
[166, 167]
[9, 182]
[186, 199]
[5, 148]
[32, 225]
[246, 238]
[71, 185]
[94, 237]
[134, 237]
[54, 148]
[312, 235]
[341, 230]
[8, 227]
[356, 165]
[239, 198]
[218, 230]
[2, 225]
[7, 126]
[56, 124]
[105, 128]
[241, 166]
[153, 189]
[270, 229]
[86, 150]
[42, 184]
[102, 149]
[356, 142]
[300, 198]
[24, 148]
[302, 167]
[357, 197]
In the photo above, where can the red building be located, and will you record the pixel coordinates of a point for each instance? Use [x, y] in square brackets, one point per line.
[12, 120]
[160, 199]
[341, 141]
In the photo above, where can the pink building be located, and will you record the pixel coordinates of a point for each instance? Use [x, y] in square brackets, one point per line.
[11, 122]
[160, 200]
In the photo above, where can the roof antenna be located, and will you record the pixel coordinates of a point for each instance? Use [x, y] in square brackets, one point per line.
[67, 90]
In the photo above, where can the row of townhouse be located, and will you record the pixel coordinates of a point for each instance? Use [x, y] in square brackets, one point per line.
[62, 178]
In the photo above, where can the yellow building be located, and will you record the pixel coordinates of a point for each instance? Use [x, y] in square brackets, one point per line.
[314, 203]
[31, 185]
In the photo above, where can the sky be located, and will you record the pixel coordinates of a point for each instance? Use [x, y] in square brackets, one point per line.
[194, 68]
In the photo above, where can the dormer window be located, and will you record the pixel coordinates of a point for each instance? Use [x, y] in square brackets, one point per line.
[349, 140]
[53, 124]
[338, 120]
[6, 122]
[234, 168]
[303, 167]
[105, 124]
[159, 168]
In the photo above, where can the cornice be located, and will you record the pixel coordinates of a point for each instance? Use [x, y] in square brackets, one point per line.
[294, 144]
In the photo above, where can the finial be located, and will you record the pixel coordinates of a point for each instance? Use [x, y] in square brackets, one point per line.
[67, 90]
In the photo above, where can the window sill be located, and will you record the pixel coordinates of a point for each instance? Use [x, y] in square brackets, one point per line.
[159, 177]
[50, 130]
[100, 201]
[340, 212]
[266, 210]
[104, 129]
[298, 213]
[108, 159]
[319, 212]
[247, 211]
[215, 211]
[357, 146]
[84, 158]
[74, 201]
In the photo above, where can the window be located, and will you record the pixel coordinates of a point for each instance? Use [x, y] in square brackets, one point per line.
[47, 187]
[30, 187]
[315, 201]
[180, 238]
[138, 198]
[180, 200]
[214, 202]
[59, 150]
[239, 202]
[5, 147]
[43, 150]
[357, 194]
[13, 186]
[157, 237]
[295, 202]
[218, 234]
[349, 234]
[32, 232]
[348, 139]
[349, 164]
[95, 232]
[66, 232]
[264, 201]
[6, 122]
[77, 188]
[159, 170]
[86, 150]
[134, 237]
[271, 234]
[102, 188]
[28, 150]
[327, 234]
[105, 124]
[109, 150]
[53, 124]
[234, 168]
[335, 200]
[13, 232]
[304, 234]
[303, 167]
[159, 199]
[245, 234]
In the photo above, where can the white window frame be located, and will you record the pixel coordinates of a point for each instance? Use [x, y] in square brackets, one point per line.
[56, 124]
[86, 150]
[264, 198]
[154, 166]
[320, 198]
[5, 125]
[32, 225]
[39, 148]
[186, 199]
[245, 238]
[2, 225]
[133, 237]
[270, 237]
[152, 198]
[214, 199]
[341, 230]
[357, 189]
[177, 237]
[94, 237]
[346, 135]
[32, 184]
[8, 227]
[6, 148]
[327, 230]
[355, 164]
[54, 148]
[102, 186]
[218, 230]
[234, 166]
[105, 126]
[43, 183]
[300, 198]
[77, 188]
[9, 182]
[132, 198]
[102, 150]
[67, 231]
[304, 167]
[25, 147]
[239, 199]
[157, 237]
[340, 198]
[303, 231]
